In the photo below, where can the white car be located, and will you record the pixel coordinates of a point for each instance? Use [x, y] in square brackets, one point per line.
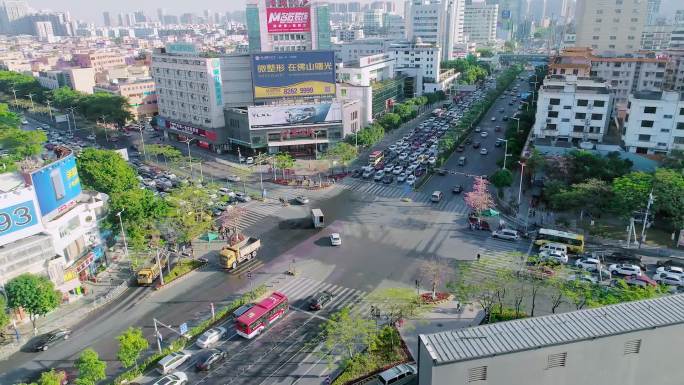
[175, 378]
[233, 178]
[589, 264]
[493, 118]
[379, 175]
[624, 269]
[250, 160]
[432, 160]
[403, 156]
[670, 279]
[411, 180]
[676, 270]
[210, 337]
[484, 134]
[401, 177]
[507, 234]
[335, 239]
[483, 151]
[397, 170]
[392, 147]
[554, 256]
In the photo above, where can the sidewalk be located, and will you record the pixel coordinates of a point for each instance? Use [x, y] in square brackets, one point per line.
[111, 284]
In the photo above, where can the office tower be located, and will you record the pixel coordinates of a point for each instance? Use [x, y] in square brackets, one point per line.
[437, 22]
[275, 26]
[372, 21]
[605, 26]
[160, 14]
[107, 19]
[12, 12]
[140, 17]
[479, 22]
[653, 9]
[120, 20]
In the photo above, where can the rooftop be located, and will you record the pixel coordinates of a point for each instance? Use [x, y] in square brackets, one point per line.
[659, 95]
[557, 329]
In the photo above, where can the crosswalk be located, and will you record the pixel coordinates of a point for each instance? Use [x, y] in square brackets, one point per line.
[497, 254]
[450, 203]
[300, 289]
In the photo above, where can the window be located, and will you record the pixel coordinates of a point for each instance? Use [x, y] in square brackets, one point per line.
[680, 126]
[578, 128]
[553, 114]
[582, 102]
[644, 138]
[554, 102]
[666, 116]
[477, 374]
[580, 115]
[550, 126]
[647, 123]
[567, 107]
[565, 120]
[556, 360]
[678, 140]
[649, 110]
[599, 103]
[632, 347]
[681, 111]
[596, 116]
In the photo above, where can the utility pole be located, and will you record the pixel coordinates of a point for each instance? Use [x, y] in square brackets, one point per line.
[73, 116]
[522, 172]
[123, 232]
[14, 91]
[104, 125]
[159, 266]
[49, 108]
[651, 199]
[142, 140]
[32, 105]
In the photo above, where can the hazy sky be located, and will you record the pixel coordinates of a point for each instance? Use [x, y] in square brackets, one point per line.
[91, 10]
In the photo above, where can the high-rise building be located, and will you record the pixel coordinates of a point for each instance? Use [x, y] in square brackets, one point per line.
[479, 22]
[160, 14]
[12, 12]
[140, 17]
[44, 31]
[372, 21]
[652, 11]
[393, 26]
[120, 20]
[107, 19]
[437, 22]
[606, 26]
[293, 25]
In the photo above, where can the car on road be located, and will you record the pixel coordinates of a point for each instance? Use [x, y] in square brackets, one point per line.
[175, 378]
[507, 234]
[583, 278]
[172, 361]
[367, 173]
[397, 170]
[233, 178]
[318, 300]
[476, 145]
[210, 337]
[90, 137]
[553, 256]
[478, 129]
[457, 189]
[674, 270]
[249, 160]
[302, 200]
[484, 134]
[356, 173]
[401, 177]
[639, 280]
[208, 358]
[388, 179]
[460, 148]
[242, 197]
[379, 175]
[493, 118]
[539, 271]
[624, 269]
[669, 279]
[47, 340]
[335, 239]
[589, 264]
[410, 180]
[498, 143]
[483, 151]
[436, 196]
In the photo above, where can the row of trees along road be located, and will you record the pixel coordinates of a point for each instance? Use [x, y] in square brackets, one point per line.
[115, 108]
[19, 144]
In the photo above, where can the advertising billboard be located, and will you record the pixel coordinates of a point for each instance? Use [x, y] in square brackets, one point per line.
[295, 115]
[288, 74]
[189, 129]
[57, 185]
[288, 19]
[19, 216]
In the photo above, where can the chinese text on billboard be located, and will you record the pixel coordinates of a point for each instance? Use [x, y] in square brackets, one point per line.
[288, 19]
[285, 74]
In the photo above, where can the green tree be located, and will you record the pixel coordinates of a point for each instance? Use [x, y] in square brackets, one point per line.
[674, 160]
[403, 110]
[631, 191]
[342, 152]
[535, 162]
[668, 188]
[395, 302]
[8, 119]
[106, 171]
[189, 212]
[51, 377]
[22, 144]
[22, 84]
[284, 161]
[33, 293]
[4, 316]
[65, 97]
[131, 343]
[140, 211]
[91, 369]
[169, 153]
[390, 121]
[501, 179]
[348, 331]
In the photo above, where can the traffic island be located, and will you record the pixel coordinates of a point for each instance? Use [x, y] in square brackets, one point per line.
[439, 298]
[181, 269]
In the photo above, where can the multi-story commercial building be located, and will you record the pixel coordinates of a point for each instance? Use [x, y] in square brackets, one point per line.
[78, 79]
[438, 22]
[420, 64]
[289, 25]
[12, 16]
[107, 19]
[674, 74]
[677, 37]
[656, 37]
[479, 22]
[373, 22]
[393, 26]
[610, 26]
[140, 94]
[99, 61]
[353, 50]
[592, 346]
[44, 31]
[571, 108]
[655, 123]
[349, 34]
[652, 11]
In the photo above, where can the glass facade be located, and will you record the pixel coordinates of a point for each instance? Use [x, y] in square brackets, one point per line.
[385, 90]
[253, 31]
[323, 27]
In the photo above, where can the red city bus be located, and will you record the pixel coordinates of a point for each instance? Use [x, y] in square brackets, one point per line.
[375, 157]
[261, 315]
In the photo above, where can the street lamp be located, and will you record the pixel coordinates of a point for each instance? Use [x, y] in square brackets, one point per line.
[31, 98]
[123, 233]
[522, 172]
[189, 156]
[506, 154]
[517, 130]
[142, 140]
[49, 108]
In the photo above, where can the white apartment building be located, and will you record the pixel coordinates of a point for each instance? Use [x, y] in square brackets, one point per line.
[610, 25]
[655, 123]
[674, 75]
[571, 108]
[438, 22]
[479, 22]
[628, 74]
[656, 37]
[420, 61]
[353, 50]
[189, 91]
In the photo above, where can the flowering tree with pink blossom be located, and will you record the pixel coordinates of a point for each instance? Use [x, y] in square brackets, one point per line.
[479, 199]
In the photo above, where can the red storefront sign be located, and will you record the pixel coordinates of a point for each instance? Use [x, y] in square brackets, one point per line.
[191, 130]
[297, 133]
[288, 19]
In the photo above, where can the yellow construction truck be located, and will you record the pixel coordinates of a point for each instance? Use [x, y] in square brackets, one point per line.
[149, 273]
[232, 255]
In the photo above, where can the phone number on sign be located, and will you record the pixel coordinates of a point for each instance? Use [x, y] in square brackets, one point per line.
[298, 91]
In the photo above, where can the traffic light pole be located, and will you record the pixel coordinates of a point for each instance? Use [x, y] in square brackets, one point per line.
[651, 199]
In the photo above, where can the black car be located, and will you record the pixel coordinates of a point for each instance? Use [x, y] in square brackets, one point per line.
[498, 143]
[319, 300]
[505, 118]
[457, 190]
[356, 173]
[48, 339]
[208, 358]
[476, 145]
[442, 171]
[468, 140]
[388, 179]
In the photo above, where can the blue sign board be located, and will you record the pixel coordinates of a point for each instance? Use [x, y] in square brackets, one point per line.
[506, 14]
[216, 74]
[57, 185]
[183, 328]
[293, 74]
[17, 217]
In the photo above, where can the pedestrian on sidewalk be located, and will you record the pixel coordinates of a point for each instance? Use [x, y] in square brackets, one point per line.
[478, 257]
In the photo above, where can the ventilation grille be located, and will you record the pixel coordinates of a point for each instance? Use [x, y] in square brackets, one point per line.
[477, 374]
[632, 347]
[556, 360]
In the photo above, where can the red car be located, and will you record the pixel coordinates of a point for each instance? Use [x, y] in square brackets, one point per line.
[640, 280]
